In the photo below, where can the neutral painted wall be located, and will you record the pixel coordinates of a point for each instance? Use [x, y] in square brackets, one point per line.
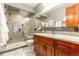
[57, 14]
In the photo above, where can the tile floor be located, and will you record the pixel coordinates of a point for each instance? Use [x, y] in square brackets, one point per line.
[25, 51]
[17, 41]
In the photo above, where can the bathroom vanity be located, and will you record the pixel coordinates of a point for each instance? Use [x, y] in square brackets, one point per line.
[46, 44]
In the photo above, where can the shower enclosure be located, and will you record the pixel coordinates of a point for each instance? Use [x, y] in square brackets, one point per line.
[21, 27]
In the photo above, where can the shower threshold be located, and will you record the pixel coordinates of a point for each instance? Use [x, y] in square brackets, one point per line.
[13, 46]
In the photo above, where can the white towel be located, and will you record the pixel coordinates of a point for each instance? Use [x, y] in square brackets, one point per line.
[3, 27]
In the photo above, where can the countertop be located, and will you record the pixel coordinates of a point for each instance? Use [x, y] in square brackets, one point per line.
[67, 38]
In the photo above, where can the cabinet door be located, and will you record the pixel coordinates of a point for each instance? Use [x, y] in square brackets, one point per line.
[36, 49]
[47, 41]
[44, 49]
[50, 51]
[39, 49]
[60, 53]
[66, 48]
[37, 39]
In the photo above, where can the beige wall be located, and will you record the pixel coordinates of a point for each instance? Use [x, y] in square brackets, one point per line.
[58, 15]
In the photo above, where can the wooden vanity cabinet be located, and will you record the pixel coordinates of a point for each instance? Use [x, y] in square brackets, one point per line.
[63, 48]
[43, 46]
[50, 51]
[60, 53]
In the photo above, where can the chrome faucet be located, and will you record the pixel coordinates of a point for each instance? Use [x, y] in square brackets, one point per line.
[53, 32]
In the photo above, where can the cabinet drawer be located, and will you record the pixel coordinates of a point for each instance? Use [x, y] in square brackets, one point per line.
[44, 40]
[66, 47]
[65, 44]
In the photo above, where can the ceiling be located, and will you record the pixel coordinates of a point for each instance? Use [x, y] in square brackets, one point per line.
[32, 4]
[55, 7]
[45, 6]
[24, 6]
[48, 6]
[42, 10]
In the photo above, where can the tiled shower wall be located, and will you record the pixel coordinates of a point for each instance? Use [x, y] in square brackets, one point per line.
[12, 14]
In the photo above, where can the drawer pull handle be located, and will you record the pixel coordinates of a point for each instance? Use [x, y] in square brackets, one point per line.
[63, 47]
